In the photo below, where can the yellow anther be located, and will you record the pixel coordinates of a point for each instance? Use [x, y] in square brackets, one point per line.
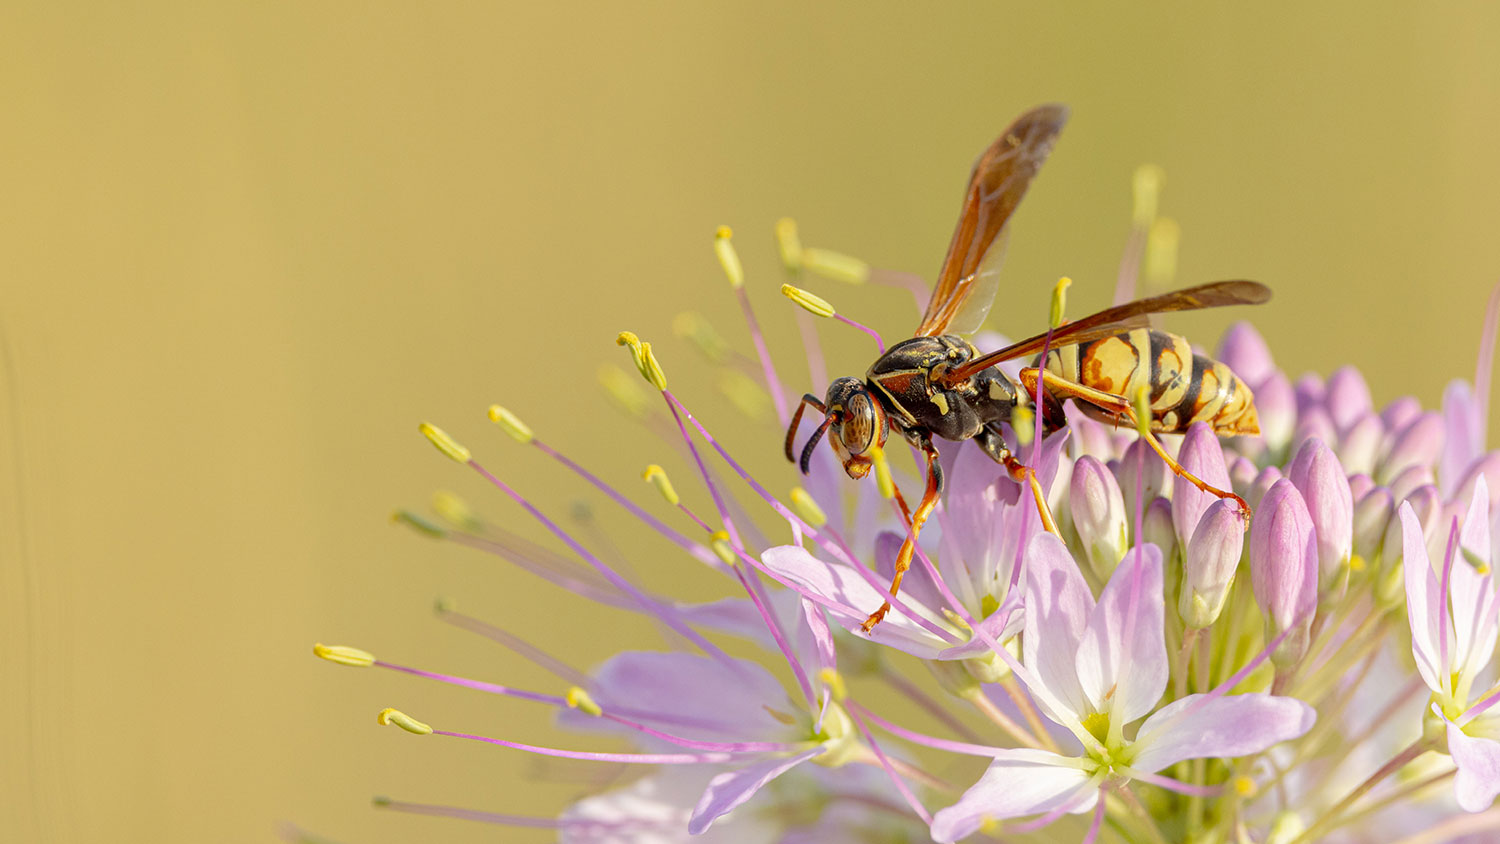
[1245, 786]
[1023, 422]
[454, 510]
[388, 717]
[883, 480]
[746, 395]
[804, 505]
[955, 619]
[511, 424]
[816, 305]
[719, 541]
[836, 265]
[344, 655]
[1059, 301]
[1141, 403]
[580, 700]
[1161, 251]
[444, 443]
[789, 244]
[835, 683]
[1357, 563]
[623, 390]
[1146, 191]
[989, 826]
[729, 259]
[656, 475]
[645, 359]
[783, 717]
[697, 330]
[419, 524]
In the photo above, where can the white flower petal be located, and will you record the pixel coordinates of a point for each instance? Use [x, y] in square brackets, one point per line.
[1018, 783]
[1058, 604]
[1478, 761]
[731, 788]
[1421, 599]
[1219, 728]
[1123, 670]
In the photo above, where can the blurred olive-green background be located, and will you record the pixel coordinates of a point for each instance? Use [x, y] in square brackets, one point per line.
[245, 250]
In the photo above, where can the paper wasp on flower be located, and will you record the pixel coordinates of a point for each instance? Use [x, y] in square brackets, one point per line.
[936, 384]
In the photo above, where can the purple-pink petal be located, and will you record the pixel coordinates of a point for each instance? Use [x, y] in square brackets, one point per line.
[1198, 726]
[682, 693]
[1018, 783]
[1463, 434]
[1122, 657]
[1203, 456]
[732, 788]
[1478, 761]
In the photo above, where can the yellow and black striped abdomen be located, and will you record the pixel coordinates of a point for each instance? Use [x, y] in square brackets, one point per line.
[1184, 388]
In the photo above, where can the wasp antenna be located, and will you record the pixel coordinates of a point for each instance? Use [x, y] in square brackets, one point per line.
[807, 450]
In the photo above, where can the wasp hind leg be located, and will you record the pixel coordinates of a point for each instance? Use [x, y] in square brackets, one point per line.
[916, 518]
[992, 442]
[1062, 389]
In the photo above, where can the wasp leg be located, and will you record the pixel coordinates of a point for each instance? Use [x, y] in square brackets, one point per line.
[1061, 389]
[917, 519]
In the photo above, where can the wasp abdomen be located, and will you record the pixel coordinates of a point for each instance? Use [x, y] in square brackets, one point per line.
[1183, 387]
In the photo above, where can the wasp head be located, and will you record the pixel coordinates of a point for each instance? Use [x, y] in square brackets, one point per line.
[857, 424]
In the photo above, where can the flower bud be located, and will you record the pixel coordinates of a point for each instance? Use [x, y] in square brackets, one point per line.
[1372, 515]
[1208, 566]
[1200, 455]
[1427, 506]
[1090, 436]
[1410, 479]
[1487, 467]
[1156, 527]
[1314, 423]
[1246, 352]
[1276, 405]
[1418, 444]
[1139, 458]
[1359, 485]
[1098, 511]
[1284, 569]
[1347, 397]
[1263, 482]
[1309, 392]
[1242, 474]
[1317, 474]
[1360, 444]
[1400, 412]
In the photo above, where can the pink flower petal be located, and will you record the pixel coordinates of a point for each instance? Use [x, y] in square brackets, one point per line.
[1478, 761]
[1123, 669]
[1058, 604]
[1463, 434]
[1421, 600]
[730, 789]
[1222, 728]
[1018, 783]
[682, 693]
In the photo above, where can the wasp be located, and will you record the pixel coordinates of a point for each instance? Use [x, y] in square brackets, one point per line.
[937, 384]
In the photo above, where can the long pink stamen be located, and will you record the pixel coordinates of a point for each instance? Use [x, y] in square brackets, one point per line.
[625, 758]
[817, 368]
[547, 567]
[1098, 823]
[701, 552]
[919, 289]
[1172, 784]
[650, 604]
[923, 739]
[516, 644]
[768, 369]
[874, 335]
[477, 685]
[890, 770]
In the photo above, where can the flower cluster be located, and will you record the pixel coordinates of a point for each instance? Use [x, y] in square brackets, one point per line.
[1122, 653]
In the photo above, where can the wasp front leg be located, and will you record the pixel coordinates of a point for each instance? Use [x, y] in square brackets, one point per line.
[917, 518]
[1061, 389]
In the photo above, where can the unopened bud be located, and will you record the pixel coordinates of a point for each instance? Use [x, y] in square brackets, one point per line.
[1098, 511]
[1486, 467]
[1400, 412]
[1202, 456]
[1372, 515]
[1263, 483]
[1347, 397]
[1418, 444]
[1157, 529]
[1310, 393]
[1359, 446]
[1208, 565]
[1276, 406]
[1284, 569]
[1317, 474]
[1139, 461]
[1410, 480]
[1245, 352]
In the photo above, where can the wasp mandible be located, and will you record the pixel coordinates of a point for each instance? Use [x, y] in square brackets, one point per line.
[936, 384]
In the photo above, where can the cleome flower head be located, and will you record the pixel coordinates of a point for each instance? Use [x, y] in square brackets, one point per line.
[1093, 641]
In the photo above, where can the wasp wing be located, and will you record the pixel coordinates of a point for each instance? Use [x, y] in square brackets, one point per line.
[1124, 317]
[1000, 178]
